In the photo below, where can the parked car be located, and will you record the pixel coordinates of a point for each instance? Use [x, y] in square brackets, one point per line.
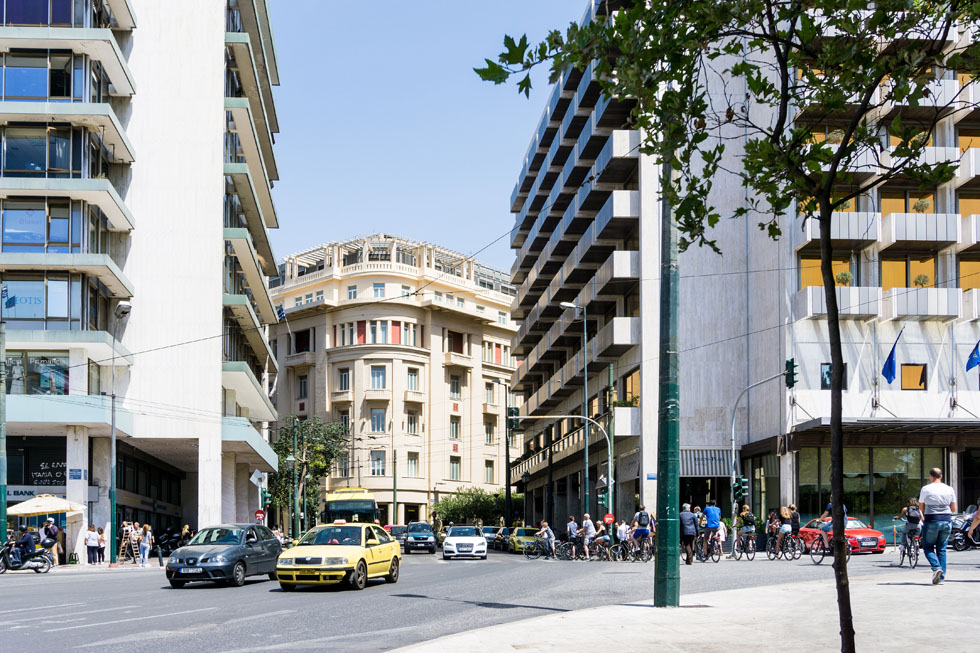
[489, 532]
[464, 542]
[419, 536]
[860, 537]
[227, 553]
[500, 539]
[398, 533]
[520, 538]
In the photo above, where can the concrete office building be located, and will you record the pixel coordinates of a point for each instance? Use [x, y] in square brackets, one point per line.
[407, 344]
[587, 231]
[135, 199]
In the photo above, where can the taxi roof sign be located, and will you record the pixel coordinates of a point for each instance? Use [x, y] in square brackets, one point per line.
[340, 521]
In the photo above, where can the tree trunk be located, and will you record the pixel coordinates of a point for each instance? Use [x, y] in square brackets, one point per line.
[836, 432]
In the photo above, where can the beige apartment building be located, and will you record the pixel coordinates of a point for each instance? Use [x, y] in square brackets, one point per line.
[409, 345]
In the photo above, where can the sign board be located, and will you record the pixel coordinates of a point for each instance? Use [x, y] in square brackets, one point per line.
[18, 493]
[74, 474]
[259, 514]
[257, 478]
[651, 477]
[609, 518]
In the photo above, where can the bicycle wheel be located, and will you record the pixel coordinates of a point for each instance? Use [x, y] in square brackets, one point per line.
[616, 552]
[564, 551]
[798, 547]
[716, 551]
[533, 551]
[645, 552]
[817, 551]
[737, 548]
[901, 555]
[750, 549]
[771, 551]
[913, 554]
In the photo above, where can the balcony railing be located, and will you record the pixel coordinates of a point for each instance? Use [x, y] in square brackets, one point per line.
[855, 229]
[922, 303]
[931, 231]
[852, 302]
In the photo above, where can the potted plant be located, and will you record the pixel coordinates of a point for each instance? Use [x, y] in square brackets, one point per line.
[632, 402]
[844, 278]
[835, 137]
[921, 205]
[921, 281]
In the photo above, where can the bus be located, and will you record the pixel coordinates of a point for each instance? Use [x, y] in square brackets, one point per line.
[352, 504]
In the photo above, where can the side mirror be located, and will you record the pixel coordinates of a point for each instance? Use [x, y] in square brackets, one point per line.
[372, 541]
[294, 543]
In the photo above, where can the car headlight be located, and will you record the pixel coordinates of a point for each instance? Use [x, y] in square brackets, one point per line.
[432, 538]
[174, 560]
[285, 561]
[219, 558]
[335, 561]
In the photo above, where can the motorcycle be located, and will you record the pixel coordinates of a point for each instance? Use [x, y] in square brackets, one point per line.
[39, 559]
[961, 539]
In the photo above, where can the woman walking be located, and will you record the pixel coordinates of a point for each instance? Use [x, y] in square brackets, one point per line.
[92, 544]
[101, 546]
[144, 543]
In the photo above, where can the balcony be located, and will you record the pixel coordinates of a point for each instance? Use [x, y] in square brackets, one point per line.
[627, 421]
[920, 231]
[941, 99]
[454, 359]
[254, 84]
[98, 43]
[239, 436]
[616, 338]
[619, 215]
[122, 14]
[98, 346]
[99, 192]
[45, 413]
[254, 265]
[928, 156]
[249, 394]
[922, 303]
[248, 195]
[968, 174]
[852, 302]
[848, 230]
[255, 21]
[97, 116]
[970, 233]
[302, 359]
[256, 145]
[100, 266]
[241, 309]
[620, 270]
[491, 409]
[342, 397]
[414, 397]
[377, 394]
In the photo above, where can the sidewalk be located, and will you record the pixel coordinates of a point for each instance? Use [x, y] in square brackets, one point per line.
[900, 611]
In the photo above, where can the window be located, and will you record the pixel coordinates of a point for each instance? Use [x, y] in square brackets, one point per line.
[53, 301]
[810, 274]
[309, 298]
[413, 379]
[377, 463]
[825, 376]
[351, 292]
[631, 387]
[406, 291]
[379, 290]
[501, 317]
[410, 334]
[488, 429]
[302, 341]
[454, 425]
[378, 377]
[345, 420]
[377, 420]
[301, 382]
[319, 298]
[298, 301]
[412, 423]
[438, 296]
[373, 331]
[347, 334]
[343, 378]
[460, 302]
[343, 465]
[454, 387]
[454, 468]
[480, 309]
[383, 333]
[914, 376]
[488, 472]
[37, 373]
[413, 464]
[488, 390]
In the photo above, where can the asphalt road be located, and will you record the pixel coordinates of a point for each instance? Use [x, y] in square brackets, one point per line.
[135, 610]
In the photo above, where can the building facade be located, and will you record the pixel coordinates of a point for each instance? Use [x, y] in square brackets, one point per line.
[408, 345]
[587, 231]
[135, 201]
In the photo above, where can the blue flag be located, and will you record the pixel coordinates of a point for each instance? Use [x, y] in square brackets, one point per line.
[888, 371]
[974, 358]
[280, 312]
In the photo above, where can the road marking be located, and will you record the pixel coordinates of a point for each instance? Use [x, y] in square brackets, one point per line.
[119, 621]
[46, 607]
[122, 608]
[306, 643]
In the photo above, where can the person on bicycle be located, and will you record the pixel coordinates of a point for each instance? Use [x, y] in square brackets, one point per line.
[689, 530]
[588, 533]
[601, 533]
[623, 531]
[642, 519]
[571, 529]
[746, 524]
[712, 521]
[772, 524]
[548, 536]
[828, 525]
[794, 519]
[785, 526]
[913, 521]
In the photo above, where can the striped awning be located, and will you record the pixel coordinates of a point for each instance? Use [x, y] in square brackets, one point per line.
[707, 462]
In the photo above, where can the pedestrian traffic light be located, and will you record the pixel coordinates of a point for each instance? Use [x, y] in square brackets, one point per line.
[513, 419]
[741, 489]
[602, 496]
[790, 373]
[264, 498]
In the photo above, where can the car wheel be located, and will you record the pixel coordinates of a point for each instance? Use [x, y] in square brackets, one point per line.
[392, 576]
[237, 575]
[484, 557]
[432, 551]
[286, 587]
[357, 579]
[177, 584]
[272, 575]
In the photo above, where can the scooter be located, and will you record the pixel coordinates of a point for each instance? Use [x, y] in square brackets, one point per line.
[961, 539]
[39, 560]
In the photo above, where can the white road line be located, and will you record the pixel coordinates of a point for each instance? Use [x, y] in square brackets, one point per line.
[122, 608]
[119, 621]
[40, 607]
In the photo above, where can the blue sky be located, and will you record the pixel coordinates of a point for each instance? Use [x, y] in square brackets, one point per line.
[385, 127]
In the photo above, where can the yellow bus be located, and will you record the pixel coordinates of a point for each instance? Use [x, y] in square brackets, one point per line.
[353, 504]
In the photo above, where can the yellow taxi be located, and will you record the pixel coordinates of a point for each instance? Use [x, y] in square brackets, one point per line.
[340, 552]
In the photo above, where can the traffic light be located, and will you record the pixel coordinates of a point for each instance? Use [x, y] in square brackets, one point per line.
[741, 489]
[790, 373]
[264, 498]
[513, 421]
[602, 495]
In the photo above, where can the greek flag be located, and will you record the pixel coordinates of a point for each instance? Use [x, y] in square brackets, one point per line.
[3, 292]
[280, 311]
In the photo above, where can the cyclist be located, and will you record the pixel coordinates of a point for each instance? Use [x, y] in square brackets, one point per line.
[785, 526]
[712, 520]
[588, 534]
[746, 521]
[601, 533]
[794, 519]
[548, 536]
[828, 526]
[913, 521]
[623, 531]
[642, 521]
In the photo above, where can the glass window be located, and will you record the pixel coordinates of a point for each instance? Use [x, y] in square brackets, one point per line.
[343, 465]
[810, 274]
[406, 291]
[825, 369]
[25, 77]
[454, 387]
[351, 292]
[438, 296]
[24, 225]
[454, 426]
[377, 463]
[383, 332]
[25, 297]
[488, 430]
[488, 394]
[914, 376]
[345, 420]
[377, 420]
[413, 464]
[378, 377]
[60, 77]
[502, 319]
[454, 466]
[460, 302]
[480, 309]
[301, 383]
[343, 378]
[412, 422]
[319, 295]
[27, 12]
[413, 379]
[25, 151]
[379, 290]
[488, 472]
[47, 373]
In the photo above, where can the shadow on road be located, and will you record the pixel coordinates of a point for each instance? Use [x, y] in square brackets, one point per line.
[482, 604]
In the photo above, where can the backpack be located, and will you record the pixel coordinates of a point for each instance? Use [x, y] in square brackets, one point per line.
[748, 519]
[913, 514]
[644, 519]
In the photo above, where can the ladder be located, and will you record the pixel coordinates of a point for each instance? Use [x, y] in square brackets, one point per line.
[126, 545]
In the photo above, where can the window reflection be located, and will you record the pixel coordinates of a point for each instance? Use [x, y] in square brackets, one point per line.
[37, 372]
[53, 225]
[53, 76]
[54, 150]
[54, 301]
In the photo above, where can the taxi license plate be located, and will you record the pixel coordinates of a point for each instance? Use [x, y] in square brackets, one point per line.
[186, 570]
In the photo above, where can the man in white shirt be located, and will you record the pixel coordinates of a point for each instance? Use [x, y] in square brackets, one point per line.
[937, 502]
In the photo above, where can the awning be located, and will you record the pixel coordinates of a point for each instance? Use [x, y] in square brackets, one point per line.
[707, 462]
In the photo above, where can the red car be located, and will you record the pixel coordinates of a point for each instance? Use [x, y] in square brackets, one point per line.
[861, 538]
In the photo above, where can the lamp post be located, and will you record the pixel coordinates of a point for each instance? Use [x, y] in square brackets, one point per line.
[585, 389]
[121, 312]
[291, 466]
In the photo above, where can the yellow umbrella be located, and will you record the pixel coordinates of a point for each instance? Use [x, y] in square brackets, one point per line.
[44, 504]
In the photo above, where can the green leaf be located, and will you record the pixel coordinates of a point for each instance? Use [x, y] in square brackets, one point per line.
[493, 72]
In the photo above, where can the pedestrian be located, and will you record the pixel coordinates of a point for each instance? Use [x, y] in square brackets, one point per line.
[145, 540]
[92, 544]
[50, 530]
[712, 520]
[588, 533]
[135, 537]
[623, 531]
[101, 546]
[571, 528]
[937, 502]
[185, 535]
[689, 530]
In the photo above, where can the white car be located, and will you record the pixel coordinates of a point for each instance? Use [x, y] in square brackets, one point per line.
[464, 542]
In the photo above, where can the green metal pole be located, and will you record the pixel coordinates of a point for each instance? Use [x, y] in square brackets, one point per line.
[508, 509]
[611, 483]
[295, 484]
[394, 485]
[3, 428]
[667, 586]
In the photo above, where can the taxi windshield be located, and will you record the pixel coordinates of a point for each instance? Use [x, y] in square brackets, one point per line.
[333, 535]
[527, 532]
[217, 536]
[463, 531]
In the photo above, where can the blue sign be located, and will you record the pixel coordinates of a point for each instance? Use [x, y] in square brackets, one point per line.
[74, 474]
[651, 477]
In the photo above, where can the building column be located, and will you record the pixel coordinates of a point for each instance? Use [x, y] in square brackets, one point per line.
[76, 486]
[228, 508]
[242, 485]
[787, 479]
[392, 517]
[208, 482]
[101, 466]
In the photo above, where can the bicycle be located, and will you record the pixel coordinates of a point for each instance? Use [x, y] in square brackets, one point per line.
[790, 549]
[799, 546]
[715, 546]
[534, 550]
[910, 549]
[818, 550]
[746, 547]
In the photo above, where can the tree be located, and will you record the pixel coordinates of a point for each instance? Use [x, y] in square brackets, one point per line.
[318, 445]
[470, 506]
[774, 76]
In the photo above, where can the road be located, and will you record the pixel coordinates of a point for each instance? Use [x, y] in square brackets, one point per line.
[135, 610]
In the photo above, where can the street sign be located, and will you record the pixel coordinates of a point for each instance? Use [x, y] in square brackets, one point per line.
[259, 515]
[609, 518]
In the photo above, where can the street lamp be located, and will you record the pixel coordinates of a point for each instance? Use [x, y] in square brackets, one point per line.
[291, 466]
[121, 312]
[585, 388]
